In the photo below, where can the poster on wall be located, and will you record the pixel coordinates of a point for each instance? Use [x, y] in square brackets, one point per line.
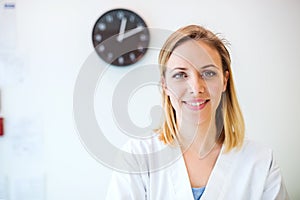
[8, 24]
[12, 63]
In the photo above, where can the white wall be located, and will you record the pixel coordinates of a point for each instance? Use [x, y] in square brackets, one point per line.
[54, 37]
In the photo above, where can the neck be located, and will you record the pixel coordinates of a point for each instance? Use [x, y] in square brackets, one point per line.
[200, 138]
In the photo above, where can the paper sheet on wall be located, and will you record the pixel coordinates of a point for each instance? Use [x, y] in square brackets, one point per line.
[8, 33]
[13, 68]
[3, 187]
[25, 157]
[12, 64]
[27, 188]
[25, 144]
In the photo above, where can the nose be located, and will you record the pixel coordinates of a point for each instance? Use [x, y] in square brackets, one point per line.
[196, 84]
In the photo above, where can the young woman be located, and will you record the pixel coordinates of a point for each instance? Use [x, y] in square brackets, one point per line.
[204, 122]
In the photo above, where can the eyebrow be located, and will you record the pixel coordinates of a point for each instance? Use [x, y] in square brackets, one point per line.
[204, 67]
[179, 68]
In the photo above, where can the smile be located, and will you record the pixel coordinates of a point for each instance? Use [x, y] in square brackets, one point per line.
[196, 105]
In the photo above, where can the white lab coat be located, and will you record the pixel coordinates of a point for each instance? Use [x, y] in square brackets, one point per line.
[248, 174]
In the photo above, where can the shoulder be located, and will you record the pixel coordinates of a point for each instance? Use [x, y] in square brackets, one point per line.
[264, 167]
[254, 168]
[253, 159]
[256, 148]
[144, 145]
[255, 153]
[151, 154]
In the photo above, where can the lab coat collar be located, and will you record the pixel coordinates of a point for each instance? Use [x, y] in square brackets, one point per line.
[216, 184]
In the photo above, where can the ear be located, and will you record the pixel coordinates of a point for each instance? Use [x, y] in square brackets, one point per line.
[226, 77]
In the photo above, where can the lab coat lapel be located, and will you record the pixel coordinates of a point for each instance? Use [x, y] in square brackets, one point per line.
[181, 181]
[218, 181]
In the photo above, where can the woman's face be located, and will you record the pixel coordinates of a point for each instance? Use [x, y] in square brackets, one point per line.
[194, 81]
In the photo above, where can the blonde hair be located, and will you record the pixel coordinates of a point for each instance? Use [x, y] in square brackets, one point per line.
[232, 125]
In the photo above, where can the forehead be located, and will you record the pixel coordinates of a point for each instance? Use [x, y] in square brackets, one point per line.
[194, 54]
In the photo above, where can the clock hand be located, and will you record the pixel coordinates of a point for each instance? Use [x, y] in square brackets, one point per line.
[122, 29]
[133, 32]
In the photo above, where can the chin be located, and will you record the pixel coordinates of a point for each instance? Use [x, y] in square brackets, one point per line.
[196, 119]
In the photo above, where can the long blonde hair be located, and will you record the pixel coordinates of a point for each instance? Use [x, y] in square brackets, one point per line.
[232, 125]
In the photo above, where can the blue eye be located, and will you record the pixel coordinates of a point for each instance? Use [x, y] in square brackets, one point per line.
[208, 74]
[180, 75]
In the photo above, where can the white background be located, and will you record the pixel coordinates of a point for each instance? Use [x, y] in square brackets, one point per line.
[53, 40]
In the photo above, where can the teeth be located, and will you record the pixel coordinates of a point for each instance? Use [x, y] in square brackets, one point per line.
[195, 103]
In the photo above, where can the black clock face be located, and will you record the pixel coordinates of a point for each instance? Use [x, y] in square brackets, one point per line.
[120, 37]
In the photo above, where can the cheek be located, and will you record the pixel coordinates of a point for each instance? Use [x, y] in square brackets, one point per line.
[176, 91]
[215, 92]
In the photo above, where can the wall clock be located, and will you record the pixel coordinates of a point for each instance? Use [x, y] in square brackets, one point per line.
[120, 37]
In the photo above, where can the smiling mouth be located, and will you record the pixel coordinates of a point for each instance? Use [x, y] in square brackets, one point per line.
[196, 105]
